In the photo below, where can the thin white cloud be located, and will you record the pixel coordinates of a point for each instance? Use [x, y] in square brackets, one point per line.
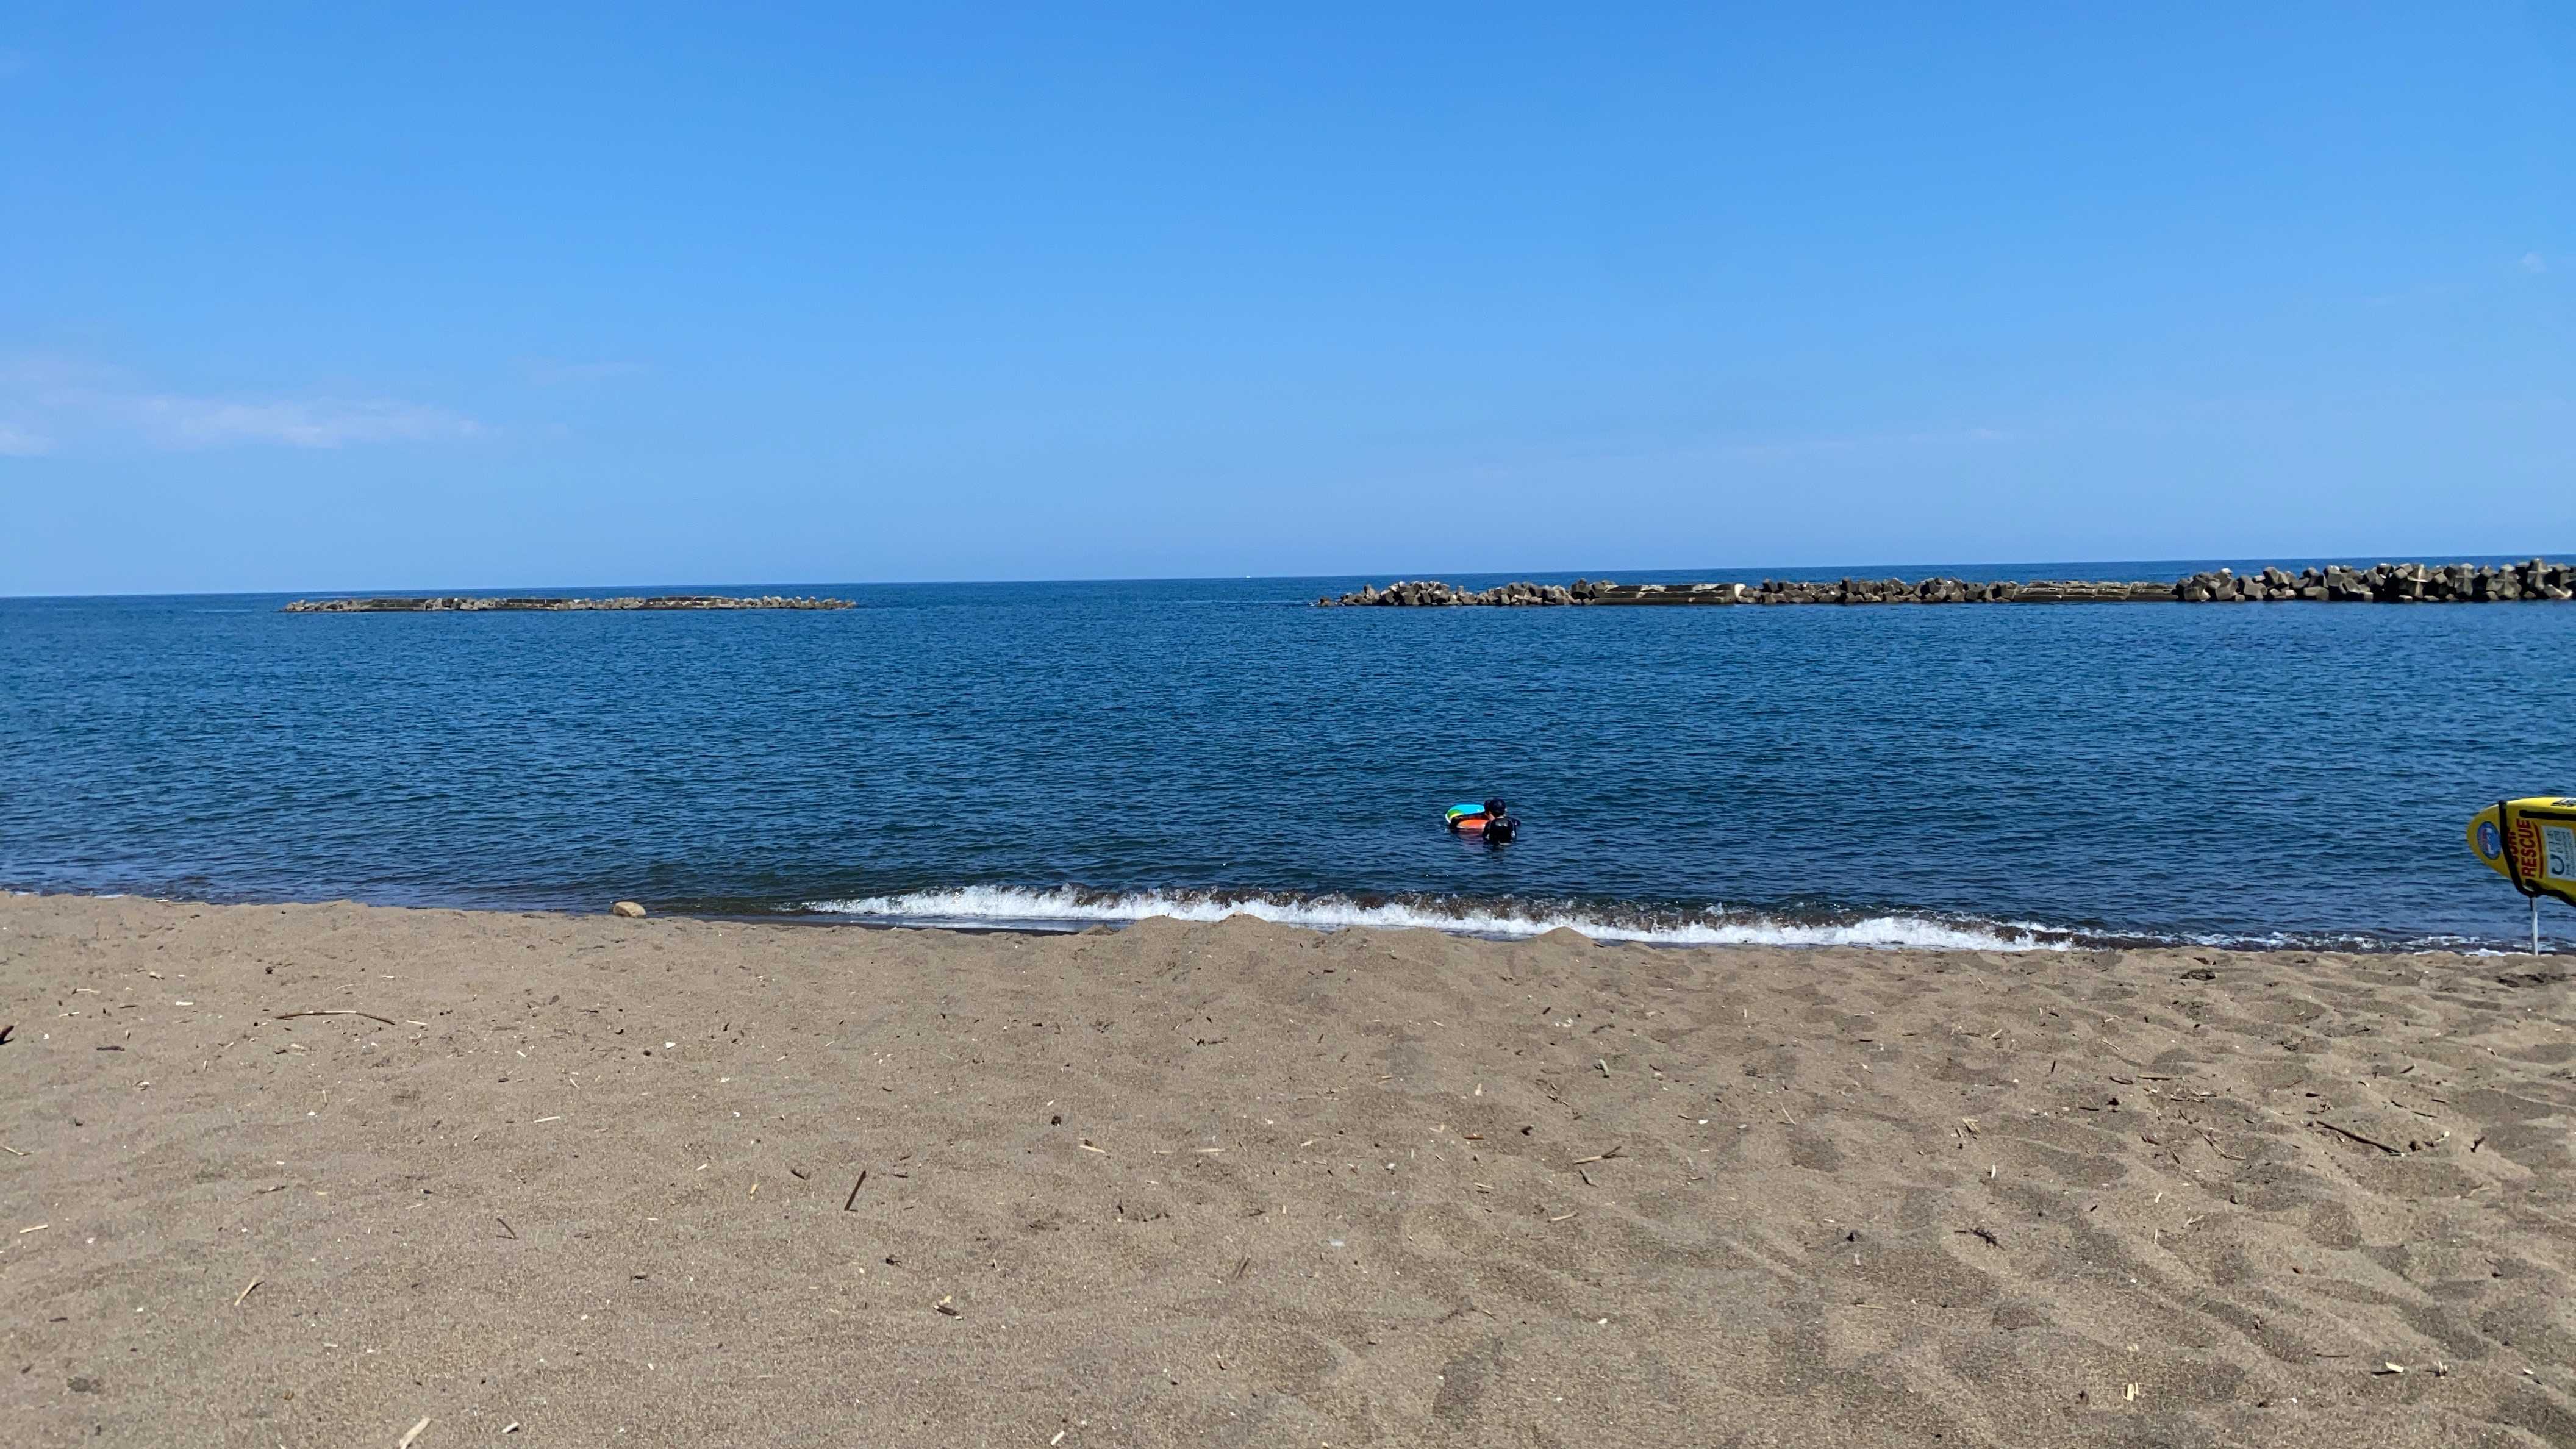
[2534, 263]
[198, 422]
[65, 403]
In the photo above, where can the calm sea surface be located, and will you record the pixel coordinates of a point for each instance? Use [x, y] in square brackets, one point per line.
[1050, 753]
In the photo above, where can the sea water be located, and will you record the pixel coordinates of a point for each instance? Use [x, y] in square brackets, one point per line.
[1051, 754]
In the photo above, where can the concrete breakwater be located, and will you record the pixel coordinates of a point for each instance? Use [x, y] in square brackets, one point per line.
[2387, 583]
[470, 604]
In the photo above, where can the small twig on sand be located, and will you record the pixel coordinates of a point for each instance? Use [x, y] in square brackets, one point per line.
[12, 1151]
[1983, 1235]
[505, 1227]
[412, 1433]
[1601, 1156]
[852, 1203]
[244, 1295]
[2355, 1136]
[343, 1011]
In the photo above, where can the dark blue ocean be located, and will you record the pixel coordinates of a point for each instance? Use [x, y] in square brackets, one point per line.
[1045, 753]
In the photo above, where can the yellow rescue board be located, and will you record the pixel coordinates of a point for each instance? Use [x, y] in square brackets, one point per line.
[2530, 842]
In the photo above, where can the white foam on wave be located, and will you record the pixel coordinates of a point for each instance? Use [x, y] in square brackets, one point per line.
[1065, 906]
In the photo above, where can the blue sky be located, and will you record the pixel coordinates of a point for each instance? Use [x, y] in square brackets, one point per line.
[303, 298]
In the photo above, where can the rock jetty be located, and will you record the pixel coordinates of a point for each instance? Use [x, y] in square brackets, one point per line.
[473, 604]
[1431, 592]
[2387, 583]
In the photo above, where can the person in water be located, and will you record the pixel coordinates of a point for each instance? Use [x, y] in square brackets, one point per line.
[1500, 827]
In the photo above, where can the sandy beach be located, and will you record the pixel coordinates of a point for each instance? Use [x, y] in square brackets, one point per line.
[583, 1180]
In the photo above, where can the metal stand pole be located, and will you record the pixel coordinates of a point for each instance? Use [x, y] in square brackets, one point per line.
[2535, 925]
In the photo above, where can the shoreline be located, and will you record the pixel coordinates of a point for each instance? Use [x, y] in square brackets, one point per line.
[1247, 1183]
[1499, 919]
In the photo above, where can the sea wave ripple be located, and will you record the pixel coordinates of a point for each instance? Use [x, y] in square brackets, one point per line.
[1070, 907]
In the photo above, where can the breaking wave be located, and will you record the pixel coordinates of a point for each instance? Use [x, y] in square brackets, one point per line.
[1070, 908]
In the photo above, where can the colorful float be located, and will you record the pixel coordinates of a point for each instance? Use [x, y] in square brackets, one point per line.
[1490, 819]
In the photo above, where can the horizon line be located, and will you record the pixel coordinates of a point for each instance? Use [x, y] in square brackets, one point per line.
[1877, 570]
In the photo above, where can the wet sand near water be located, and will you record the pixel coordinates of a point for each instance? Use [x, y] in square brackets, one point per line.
[693, 1182]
